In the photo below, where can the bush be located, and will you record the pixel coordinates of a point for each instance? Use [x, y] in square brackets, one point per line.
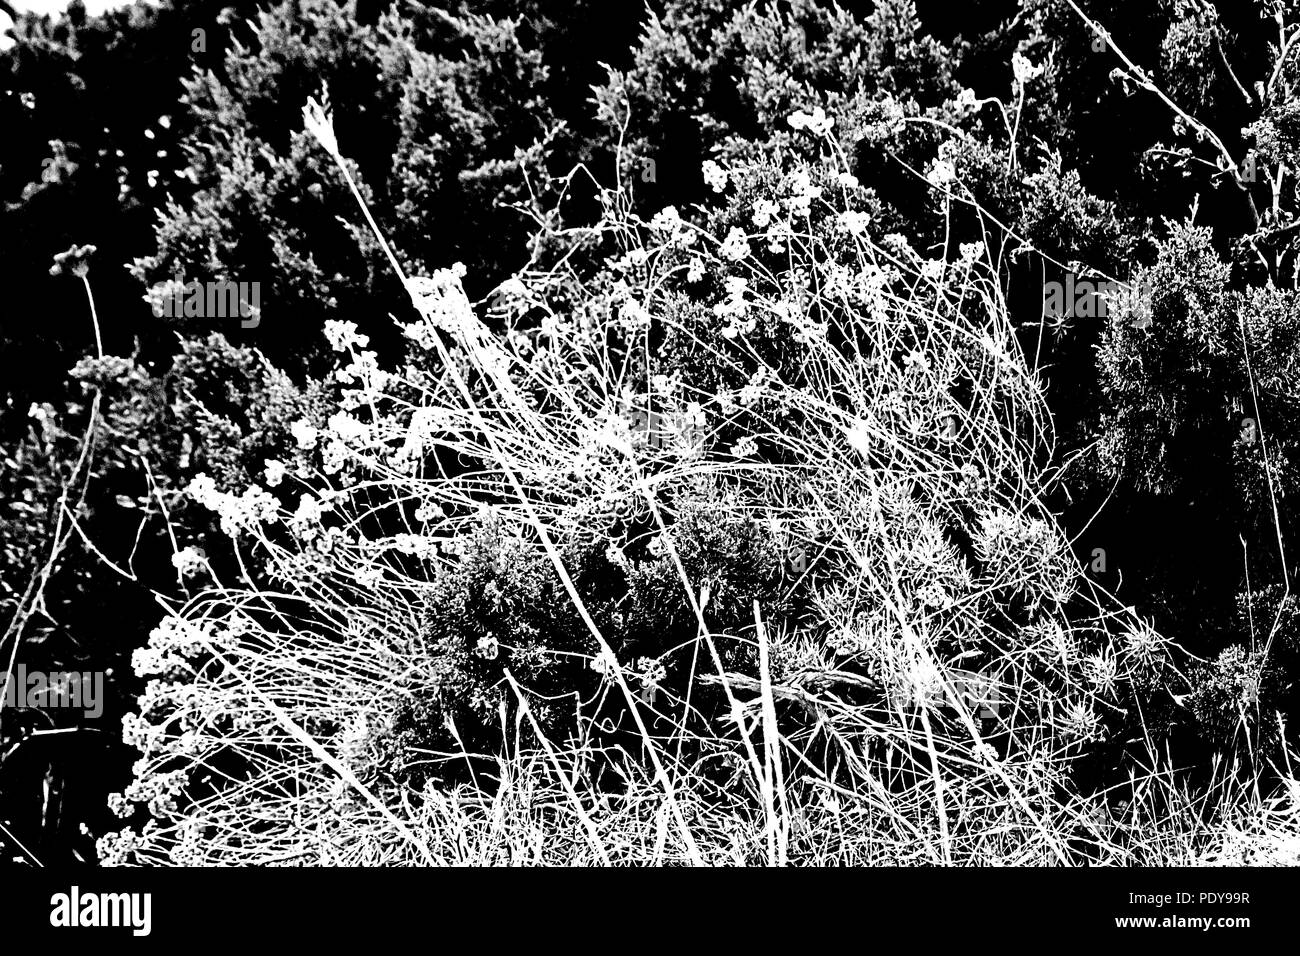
[903, 463]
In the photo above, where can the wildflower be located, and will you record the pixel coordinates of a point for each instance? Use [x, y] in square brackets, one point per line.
[898, 244]
[119, 805]
[847, 181]
[859, 437]
[917, 360]
[604, 663]
[75, 260]
[415, 545]
[941, 174]
[203, 490]
[274, 472]
[695, 271]
[969, 252]
[1023, 70]
[304, 433]
[754, 389]
[854, 222]
[816, 123]
[764, 210]
[306, 520]
[343, 335]
[666, 220]
[667, 385]
[736, 305]
[802, 193]
[429, 511]
[747, 447]
[778, 236]
[441, 301]
[634, 317]
[189, 561]
[650, 671]
[966, 101]
[735, 247]
[345, 428]
[714, 175]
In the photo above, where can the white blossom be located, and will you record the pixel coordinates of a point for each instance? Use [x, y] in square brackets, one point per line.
[714, 175]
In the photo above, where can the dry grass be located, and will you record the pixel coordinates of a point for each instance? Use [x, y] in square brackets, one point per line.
[907, 417]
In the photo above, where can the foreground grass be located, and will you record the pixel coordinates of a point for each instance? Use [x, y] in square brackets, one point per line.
[881, 421]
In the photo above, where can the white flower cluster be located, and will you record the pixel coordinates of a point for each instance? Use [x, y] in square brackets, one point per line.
[735, 309]
[171, 645]
[305, 522]
[425, 424]
[1023, 70]
[633, 316]
[669, 224]
[816, 123]
[736, 246]
[804, 327]
[343, 336]
[304, 433]
[237, 512]
[415, 545]
[158, 791]
[855, 223]
[941, 174]
[764, 210]
[966, 101]
[441, 301]
[189, 561]
[714, 175]
[345, 435]
[368, 376]
[802, 192]
[604, 664]
[273, 472]
[650, 671]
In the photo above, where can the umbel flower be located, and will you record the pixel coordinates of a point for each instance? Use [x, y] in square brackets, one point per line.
[76, 260]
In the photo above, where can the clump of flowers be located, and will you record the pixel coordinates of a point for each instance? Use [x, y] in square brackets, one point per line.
[703, 476]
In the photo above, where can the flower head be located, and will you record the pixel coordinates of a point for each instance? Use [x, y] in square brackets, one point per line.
[1023, 70]
[75, 260]
[736, 246]
[714, 175]
[817, 122]
[343, 335]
